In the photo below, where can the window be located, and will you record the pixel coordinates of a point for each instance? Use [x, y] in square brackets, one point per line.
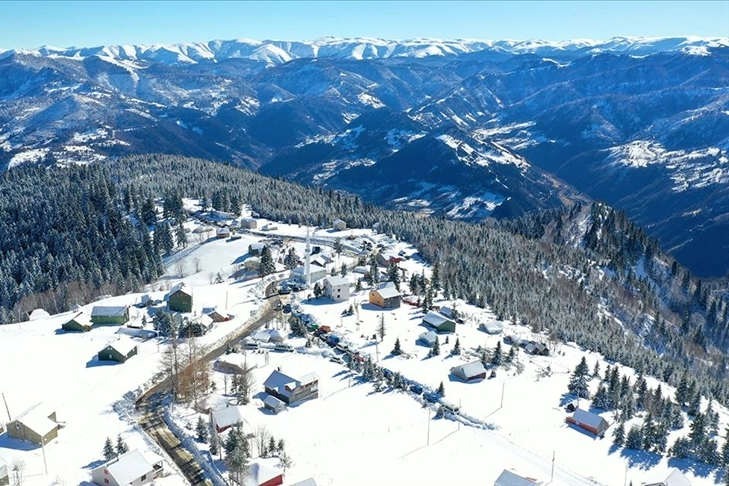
[144, 476]
[106, 480]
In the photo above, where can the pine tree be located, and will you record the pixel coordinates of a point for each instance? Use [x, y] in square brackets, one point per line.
[634, 439]
[456, 347]
[725, 448]
[600, 400]
[396, 351]
[596, 370]
[496, 358]
[214, 442]
[202, 430]
[108, 451]
[441, 390]
[619, 434]
[121, 446]
[435, 350]
[271, 446]
[578, 381]
[266, 267]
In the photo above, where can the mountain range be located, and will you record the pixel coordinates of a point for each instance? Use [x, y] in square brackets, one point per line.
[466, 129]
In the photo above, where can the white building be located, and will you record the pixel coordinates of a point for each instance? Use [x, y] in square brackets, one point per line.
[132, 468]
[336, 288]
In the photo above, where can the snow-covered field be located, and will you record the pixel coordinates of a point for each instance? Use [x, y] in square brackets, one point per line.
[351, 434]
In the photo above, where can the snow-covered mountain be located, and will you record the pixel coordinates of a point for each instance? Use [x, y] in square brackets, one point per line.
[462, 128]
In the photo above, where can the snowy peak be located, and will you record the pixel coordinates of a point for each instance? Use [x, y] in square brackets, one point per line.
[277, 52]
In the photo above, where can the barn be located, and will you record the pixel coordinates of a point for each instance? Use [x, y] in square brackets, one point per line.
[37, 425]
[589, 421]
[81, 322]
[120, 350]
[439, 322]
[385, 296]
[469, 372]
[104, 314]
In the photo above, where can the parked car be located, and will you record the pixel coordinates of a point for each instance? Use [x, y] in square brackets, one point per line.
[287, 309]
[283, 347]
[431, 397]
[284, 291]
[417, 389]
[336, 359]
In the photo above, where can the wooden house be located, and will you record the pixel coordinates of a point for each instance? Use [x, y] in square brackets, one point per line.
[469, 372]
[105, 314]
[223, 232]
[120, 350]
[248, 223]
[290, 390]
[132, 468]
[385, 296]
[179, 298]
[273, 404]
[439, 322]
[256, 248]
[225, 418]
[339, 225]
[263, 472]
[81, 322]
[589, 421]
[36, 425]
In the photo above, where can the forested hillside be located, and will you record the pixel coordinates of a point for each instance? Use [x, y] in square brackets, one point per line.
[585, 274]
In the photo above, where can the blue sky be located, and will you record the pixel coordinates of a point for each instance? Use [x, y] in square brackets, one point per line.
[29, 24]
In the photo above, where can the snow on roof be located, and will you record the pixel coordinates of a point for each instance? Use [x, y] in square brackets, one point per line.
[435, 319]
[305, 482]
[261, 335]
[260, 472]
[492, 326]
[226, 417]
[387, 290]
[337, 280]
[669, 477]
[272, 401]
[276, 334]
[473, 368]
[181, 287]
[38, 314]
[82, 318]
[428, 336]
[123, 345]
[308, 378]
[510, 478]
[109, 310]
[587, 418]
[36, 419]
[128, 467]
[279, 382]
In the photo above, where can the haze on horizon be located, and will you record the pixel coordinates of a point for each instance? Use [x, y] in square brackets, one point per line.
[32, 24]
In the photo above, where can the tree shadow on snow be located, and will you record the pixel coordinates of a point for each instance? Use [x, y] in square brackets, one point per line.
[641, 459]
[697, 468]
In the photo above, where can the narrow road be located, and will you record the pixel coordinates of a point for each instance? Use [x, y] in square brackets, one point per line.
[151, 411]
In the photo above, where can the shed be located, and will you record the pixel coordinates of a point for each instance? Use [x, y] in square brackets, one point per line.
[339, 225]
[217, 316]
[491, 327]
[81, 322]
[439, 322]
[225, 418]
[263, 473]
[179, 298]
[273, 404]
[223, 232]
[261, 335]
[132, 468]
[470, 371]
[589, 421]
[248, 223]
[37, 425]
[256, 248]
[670, 477]
[276, 336]
[104, 314]
[427, 338]
[511, 478]
[385, 296]
[120, 350]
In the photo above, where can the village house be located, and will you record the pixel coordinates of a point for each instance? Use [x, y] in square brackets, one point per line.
[225, 418]
[385, 296]
[589, 421]
[339, 225]
[248, 223]
[491, 327]
[81, 322]
[104, 314]
[132, 468]
[316, 273]
[385, 259]
[120, 350]
[256, 248]
[470, 371]
[290, 390]
[223, 232]
[511, 478]
[439, 322]
[670, 477]
[336, 288]
[36, 425]
[263, 473]
[179, 298]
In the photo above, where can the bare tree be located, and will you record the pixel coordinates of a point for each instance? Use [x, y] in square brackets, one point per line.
[243, 384]
[381, 328]
[197, 263]
[180, 267]
[262, 437]
[171, 365]
[17, 468]
[194, 377]
[285, 460]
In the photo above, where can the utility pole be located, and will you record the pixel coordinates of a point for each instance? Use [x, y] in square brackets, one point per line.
[503, 388]
[6, 408]
[428, 427]
[43, 446]
[459, 409]
[552, 478]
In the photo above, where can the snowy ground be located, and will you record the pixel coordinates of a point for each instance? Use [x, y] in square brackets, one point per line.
[351, 434]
